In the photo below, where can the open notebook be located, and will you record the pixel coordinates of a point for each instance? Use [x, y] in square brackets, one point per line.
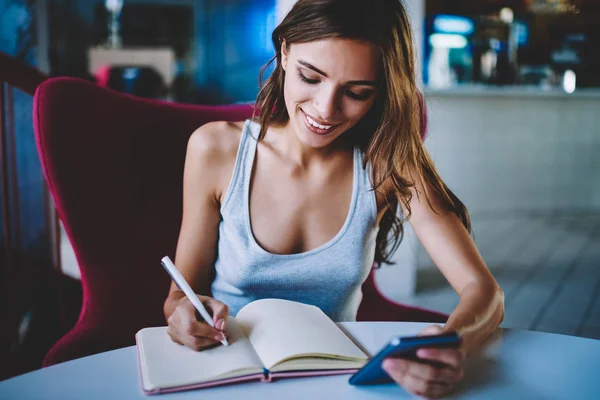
[268, 338]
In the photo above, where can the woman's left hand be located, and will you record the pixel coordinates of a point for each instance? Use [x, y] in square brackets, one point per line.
[423, 379]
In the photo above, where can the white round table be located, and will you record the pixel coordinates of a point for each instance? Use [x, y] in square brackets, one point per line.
[512, 364]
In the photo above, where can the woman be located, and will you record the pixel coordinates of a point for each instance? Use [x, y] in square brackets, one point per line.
[299, 204]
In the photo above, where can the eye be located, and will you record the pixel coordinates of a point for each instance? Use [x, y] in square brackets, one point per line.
[358, 96]
[305, 79]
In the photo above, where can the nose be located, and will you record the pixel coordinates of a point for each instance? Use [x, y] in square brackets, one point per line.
[327, 103]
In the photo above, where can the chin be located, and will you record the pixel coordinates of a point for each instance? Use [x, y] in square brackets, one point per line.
[313, 140]
[315, 144]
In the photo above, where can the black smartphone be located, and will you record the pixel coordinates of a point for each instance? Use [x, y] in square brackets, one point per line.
[402, 347]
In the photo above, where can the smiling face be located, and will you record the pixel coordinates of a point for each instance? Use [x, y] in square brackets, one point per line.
[329, 86]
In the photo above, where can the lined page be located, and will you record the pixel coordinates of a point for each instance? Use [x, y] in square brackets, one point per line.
[281, 329]
[165, 364]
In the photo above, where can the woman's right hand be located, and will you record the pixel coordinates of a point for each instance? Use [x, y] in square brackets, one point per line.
[185, 329]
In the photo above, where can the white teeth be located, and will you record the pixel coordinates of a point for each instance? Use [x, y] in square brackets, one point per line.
[313, 123]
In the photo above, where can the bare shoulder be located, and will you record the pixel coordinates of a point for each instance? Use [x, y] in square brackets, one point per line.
[213, 147]
[216, 139]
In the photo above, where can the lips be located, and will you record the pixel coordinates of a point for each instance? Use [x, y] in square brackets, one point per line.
[317, 126]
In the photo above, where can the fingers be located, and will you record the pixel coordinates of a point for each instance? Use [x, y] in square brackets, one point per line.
[185, 329]
[423, 371]
[425, 389]
[193, 342]
[431, 330]
[450, 357]
[219, 311]
[422, 379]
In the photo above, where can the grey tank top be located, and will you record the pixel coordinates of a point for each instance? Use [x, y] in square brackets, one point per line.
[329, 277]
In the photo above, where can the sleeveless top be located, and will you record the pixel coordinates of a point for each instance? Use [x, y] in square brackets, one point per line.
[329, 276]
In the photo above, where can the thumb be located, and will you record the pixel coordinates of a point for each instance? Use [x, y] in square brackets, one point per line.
[431, 330]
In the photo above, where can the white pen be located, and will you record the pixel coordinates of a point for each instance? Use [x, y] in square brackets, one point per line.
[189, 292]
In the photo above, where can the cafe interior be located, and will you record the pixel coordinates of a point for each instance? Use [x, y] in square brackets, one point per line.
[512, 93]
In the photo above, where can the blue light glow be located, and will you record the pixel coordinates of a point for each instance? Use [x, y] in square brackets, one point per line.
[453, 24]
[448, 41]
[262, 20]
[521, 32]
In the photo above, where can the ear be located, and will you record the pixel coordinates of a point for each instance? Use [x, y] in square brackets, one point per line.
[284, 54]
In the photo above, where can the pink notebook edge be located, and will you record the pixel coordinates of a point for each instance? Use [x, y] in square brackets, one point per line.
[220, 382]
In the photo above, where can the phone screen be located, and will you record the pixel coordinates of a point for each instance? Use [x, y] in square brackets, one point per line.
[402, 347]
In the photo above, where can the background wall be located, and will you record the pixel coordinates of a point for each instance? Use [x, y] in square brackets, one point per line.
[507, 151]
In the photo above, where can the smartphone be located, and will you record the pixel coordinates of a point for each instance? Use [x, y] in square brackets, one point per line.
[402, 347]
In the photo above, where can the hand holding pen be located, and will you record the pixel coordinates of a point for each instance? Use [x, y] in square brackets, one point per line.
[184, 328]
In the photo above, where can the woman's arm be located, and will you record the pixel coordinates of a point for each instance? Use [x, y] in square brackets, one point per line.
[209, 163]
[197, 242]
[448, 243]
[479, 311]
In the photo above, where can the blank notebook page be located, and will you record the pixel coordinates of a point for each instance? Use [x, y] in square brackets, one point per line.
[279, 329]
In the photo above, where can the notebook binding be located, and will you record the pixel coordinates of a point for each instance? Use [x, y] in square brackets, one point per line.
[266, 376]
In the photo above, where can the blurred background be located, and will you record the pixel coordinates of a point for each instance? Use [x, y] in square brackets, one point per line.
[513, 93]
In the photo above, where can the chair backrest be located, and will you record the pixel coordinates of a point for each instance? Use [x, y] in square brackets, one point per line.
[114, 166]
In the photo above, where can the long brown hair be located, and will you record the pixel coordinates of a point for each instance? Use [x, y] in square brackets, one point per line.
[390, 134]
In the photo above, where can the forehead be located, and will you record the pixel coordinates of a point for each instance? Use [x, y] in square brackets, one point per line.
[339, 58]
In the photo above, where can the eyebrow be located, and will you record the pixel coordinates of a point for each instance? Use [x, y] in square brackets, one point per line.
[317, 70]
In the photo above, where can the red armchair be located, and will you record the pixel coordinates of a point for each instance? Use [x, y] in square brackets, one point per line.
[114, 166]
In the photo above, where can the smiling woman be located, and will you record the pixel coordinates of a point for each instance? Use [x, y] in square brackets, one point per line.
[302, 200]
